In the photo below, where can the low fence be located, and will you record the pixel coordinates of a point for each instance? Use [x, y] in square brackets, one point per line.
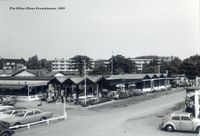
[39, 122]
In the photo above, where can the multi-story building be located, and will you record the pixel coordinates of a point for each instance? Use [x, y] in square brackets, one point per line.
[61, 65]
[68, 65]
[13, 64]
[141, 61]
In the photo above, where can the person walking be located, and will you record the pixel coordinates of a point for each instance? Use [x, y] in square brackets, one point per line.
[62, 95]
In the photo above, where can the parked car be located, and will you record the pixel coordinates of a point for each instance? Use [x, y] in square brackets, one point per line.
[27, 116]
[181, 122]
[3, 108]
[7, 100]
[4, 129]
[10, 112]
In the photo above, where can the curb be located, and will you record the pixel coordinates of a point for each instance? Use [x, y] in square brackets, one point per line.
[92, 106]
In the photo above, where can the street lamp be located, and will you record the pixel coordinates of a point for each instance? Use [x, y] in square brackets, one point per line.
[64, 108]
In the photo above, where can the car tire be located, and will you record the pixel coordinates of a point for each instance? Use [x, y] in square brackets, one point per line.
[6, 134]
[43, 118]
[169, 128]
[198, 130]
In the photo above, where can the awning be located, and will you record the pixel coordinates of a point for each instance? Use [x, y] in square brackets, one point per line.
[44, 83]
[17, 87]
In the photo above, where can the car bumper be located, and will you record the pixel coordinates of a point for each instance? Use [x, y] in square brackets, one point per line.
[161, 126]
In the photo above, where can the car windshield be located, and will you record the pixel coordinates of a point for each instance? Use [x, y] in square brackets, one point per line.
[20, 114]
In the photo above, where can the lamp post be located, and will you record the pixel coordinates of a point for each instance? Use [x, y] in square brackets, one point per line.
[64, 108]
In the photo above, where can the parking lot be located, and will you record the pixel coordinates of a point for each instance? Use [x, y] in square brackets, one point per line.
[139, 119]
[56, 108]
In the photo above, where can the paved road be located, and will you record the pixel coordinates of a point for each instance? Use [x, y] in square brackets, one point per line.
[120, 121]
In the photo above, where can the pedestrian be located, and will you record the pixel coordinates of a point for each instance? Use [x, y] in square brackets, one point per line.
[62, 95]
[53, 96]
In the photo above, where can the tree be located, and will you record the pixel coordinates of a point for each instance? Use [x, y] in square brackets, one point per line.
[100, 71]
[33, 62]
[122, 64]
[44, 64]
[152, 67]
[1, 63]
[173, 66]
[78, 63]
[198, 68]
[190, 66]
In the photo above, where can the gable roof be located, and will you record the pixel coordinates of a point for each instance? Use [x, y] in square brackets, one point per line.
[53, 73]
[96, 79]
[61, 79]
[38, 72]
[24, 70]
[79, 80]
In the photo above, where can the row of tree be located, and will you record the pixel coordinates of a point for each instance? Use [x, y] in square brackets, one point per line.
[34, 63]
[119, 65]
[189, 66]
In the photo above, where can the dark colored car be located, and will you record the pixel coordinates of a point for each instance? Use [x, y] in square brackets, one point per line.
[4, 129]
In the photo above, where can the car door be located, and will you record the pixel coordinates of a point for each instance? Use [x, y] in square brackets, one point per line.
[29, 117]
[176, 122]
[38, 115]
[186, 123]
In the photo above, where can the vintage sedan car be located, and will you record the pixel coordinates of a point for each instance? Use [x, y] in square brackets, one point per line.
[4, 129]
[10, 112]
[27, 116]
[4, 108]
[180, 122]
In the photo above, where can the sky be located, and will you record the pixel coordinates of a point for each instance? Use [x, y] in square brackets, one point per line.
[99, 28]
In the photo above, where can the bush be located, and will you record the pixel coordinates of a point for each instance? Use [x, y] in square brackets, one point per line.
[94, 101]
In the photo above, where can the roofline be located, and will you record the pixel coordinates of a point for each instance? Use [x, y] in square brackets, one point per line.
[25, 78]
[23, 70]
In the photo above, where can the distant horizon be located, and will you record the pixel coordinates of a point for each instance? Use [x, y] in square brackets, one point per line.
[99, 29]
[91, 57]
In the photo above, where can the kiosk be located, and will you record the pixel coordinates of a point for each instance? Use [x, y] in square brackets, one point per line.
[192, 100]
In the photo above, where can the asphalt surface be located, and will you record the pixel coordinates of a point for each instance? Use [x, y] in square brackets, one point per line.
[138, 119]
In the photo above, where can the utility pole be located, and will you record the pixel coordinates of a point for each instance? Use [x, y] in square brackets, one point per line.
[158, 69]
[85, 90]
[112, 64]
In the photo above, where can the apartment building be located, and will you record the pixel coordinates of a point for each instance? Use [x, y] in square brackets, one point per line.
[13, 64]
[141, 61]
[68, 65]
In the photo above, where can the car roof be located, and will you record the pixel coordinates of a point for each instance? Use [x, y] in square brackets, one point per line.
[181, 114]
[3, 107]
[32, 110]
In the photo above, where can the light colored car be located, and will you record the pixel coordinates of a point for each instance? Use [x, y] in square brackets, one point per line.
[180, 122]
[3, 108]
[10, 113]
[27, 116]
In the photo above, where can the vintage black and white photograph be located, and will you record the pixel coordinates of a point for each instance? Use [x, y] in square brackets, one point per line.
[99, 68]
